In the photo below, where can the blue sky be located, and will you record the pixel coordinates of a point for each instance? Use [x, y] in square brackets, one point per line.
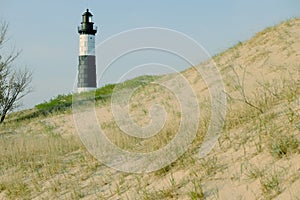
[46, 31]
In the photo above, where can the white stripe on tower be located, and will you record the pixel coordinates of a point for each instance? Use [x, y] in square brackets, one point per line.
[87, 45]
[87, 60]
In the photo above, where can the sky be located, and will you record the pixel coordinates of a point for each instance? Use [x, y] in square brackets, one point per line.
[46, 31]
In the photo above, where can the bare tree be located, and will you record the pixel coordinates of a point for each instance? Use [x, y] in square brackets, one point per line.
[14, 84]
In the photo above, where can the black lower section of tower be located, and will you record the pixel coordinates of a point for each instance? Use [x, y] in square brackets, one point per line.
[87, 72]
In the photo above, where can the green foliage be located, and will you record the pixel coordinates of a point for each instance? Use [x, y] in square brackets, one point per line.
[64, 102]
[59, 103]
[104, 92]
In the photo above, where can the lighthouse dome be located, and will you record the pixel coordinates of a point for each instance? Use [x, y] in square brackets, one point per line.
[87, 24]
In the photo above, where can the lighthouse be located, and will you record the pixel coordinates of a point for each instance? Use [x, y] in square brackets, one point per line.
[87, 60]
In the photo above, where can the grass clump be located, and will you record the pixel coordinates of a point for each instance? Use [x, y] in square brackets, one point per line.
[253, 172]
[18, 190]
[284, 145]
[270, 184]
[197, 192]
[211, 166]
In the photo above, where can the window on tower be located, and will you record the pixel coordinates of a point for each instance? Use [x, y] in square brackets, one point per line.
[90, 19]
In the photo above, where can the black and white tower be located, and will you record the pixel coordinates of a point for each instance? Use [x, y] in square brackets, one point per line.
[87, 59]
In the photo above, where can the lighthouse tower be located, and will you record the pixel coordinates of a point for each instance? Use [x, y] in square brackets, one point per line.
[87, 60]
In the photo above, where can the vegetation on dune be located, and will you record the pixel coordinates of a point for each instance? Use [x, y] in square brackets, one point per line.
[64, 102]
